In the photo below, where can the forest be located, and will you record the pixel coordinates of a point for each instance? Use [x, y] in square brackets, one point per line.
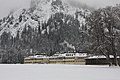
[94, 33]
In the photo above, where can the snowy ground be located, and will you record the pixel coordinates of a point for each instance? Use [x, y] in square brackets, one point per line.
[58, 72]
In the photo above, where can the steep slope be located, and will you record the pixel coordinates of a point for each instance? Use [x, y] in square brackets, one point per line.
[48, 26]
[44, 9]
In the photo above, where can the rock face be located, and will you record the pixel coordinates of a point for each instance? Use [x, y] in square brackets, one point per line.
[40, 12]
[48, 26]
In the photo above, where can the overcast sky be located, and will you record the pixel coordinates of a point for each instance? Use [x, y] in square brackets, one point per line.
[7, 5]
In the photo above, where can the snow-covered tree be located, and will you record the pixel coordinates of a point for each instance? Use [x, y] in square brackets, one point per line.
[104, 32]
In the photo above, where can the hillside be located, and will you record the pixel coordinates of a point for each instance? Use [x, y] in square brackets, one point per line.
[48, 26]
[55, 26]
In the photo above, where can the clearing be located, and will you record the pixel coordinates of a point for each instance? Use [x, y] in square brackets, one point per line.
[57, 72]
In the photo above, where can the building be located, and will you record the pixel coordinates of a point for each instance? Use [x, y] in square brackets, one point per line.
[69, 58]
[100, 60]
[66, 58]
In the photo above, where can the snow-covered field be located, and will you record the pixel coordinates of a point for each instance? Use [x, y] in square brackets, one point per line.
[58, 72]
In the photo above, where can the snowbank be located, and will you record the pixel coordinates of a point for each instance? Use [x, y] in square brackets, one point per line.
[58, 72]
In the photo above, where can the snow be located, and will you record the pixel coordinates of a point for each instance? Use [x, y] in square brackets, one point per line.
[44, 10]
[43, 31]
[68, 44]
[58, 72]
[92, 57]
[72, 55]
[100, 56]
[58, 55]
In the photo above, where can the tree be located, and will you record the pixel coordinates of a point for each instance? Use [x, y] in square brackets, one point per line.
[104, 32]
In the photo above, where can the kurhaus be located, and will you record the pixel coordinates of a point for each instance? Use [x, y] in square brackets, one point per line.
[66, 58]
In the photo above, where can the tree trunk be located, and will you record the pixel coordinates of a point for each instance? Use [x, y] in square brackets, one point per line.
[109, 61]
[115, 59]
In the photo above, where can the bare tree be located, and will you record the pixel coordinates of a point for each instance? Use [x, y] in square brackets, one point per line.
[104, 32]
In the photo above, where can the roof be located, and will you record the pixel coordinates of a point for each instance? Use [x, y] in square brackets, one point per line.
[100, 56]
[58, 55]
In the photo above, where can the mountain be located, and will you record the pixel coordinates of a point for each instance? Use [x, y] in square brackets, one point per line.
[48, 26]
[43, 10]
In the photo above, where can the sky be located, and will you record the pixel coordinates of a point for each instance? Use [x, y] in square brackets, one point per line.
[98, 3]
[7, 5]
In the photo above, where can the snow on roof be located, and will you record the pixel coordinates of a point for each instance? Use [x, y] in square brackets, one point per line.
[59, 55]
[100, 56]
[72, 55]
[36, 56]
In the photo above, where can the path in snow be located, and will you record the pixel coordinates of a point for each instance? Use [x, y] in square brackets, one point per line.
[58, 72]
